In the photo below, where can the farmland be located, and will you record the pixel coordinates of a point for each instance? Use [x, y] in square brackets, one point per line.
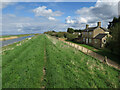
[47, 62]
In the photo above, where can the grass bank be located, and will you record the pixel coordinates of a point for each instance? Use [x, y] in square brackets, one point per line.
[22, 66]
[65, 67]
[103, 52]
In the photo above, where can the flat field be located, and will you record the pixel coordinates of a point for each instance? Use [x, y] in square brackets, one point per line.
[47, 62]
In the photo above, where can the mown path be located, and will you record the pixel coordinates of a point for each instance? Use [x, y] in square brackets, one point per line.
[49, 63]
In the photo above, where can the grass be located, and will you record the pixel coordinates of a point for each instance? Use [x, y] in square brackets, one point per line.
[103, 51]
[70, 68]
[65, 67]
[22, 66]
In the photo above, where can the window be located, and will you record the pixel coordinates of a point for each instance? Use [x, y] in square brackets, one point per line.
[90, 41]
[83, 33]
[104, 41]
[95, 40]
[90, 33]
[83, 39]
[86, 40]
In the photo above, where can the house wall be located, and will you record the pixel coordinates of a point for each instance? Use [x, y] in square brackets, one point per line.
[87, 34]
[97, 43]
[97, 31]
[91, 34]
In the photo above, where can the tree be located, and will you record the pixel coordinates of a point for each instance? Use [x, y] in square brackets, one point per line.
[77, 30]
[70, 30]
[111, 25]
[113, 43]
[60, 34]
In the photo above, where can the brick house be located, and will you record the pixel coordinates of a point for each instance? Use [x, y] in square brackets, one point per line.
[95, 36]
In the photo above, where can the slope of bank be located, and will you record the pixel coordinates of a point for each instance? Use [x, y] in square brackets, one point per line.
[64, 66]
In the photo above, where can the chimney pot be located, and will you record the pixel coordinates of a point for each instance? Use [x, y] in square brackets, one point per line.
[99, 24]
[87, 26]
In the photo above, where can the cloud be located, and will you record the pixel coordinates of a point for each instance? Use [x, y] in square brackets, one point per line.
[19, 25]
[103, 11]
[5, 4]
[51, 18]
[48, 13]
[69, 20]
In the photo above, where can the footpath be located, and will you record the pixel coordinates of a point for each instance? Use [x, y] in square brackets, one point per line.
[103, 59]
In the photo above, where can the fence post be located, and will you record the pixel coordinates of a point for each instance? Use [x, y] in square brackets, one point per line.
[105, 60]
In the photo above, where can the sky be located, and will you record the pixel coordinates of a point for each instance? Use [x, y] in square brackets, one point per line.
[38, 17]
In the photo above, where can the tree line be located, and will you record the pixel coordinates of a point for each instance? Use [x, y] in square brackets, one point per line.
[69, 34]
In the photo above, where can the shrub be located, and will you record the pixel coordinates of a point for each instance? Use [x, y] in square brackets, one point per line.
[71, 37]
[70, 30]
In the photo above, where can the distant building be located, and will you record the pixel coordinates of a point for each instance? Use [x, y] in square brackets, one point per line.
[95, 36]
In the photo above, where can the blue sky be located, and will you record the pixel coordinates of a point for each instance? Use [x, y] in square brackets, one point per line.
[38, 17]
[24, 9]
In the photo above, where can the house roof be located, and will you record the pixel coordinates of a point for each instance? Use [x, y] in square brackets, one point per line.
[93, 28]
[100, 36]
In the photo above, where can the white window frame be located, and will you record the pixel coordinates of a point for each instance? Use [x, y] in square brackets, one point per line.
[86, 40]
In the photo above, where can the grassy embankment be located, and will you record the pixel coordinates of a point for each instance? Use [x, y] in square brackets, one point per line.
[103, 51]
[22, 66]
[65, 67]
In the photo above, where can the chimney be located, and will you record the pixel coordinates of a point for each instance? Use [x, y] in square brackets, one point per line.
[87, 26]
[99, 24]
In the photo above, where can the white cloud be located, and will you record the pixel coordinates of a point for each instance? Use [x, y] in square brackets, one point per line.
[16, 25]
[103, 11]
[51, 18]
[43, 11]
[69, 20]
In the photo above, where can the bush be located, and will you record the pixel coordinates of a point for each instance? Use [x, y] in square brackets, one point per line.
[59, 34]
[70, 30]
[71, 37]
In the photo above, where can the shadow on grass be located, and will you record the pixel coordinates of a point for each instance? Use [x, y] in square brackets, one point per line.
[110, 55]
[103, 52]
